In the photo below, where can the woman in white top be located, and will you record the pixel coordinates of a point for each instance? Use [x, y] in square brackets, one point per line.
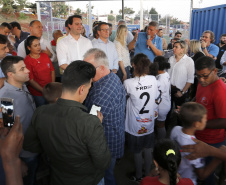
[163, 79]
[181, 73]
[142, 91]
[123, 53]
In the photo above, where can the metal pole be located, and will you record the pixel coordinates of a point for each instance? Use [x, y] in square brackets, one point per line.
[90, 18]
[166, 23]
[51, 14]
[190, 19]
[122, 9]
[141, 15]
[38, 10]
[69, 12]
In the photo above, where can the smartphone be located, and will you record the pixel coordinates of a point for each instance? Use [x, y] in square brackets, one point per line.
[94, 110]
[7, 111]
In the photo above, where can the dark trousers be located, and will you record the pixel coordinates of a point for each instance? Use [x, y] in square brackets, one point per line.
[172, 118]
[175, 100]
[32, 164]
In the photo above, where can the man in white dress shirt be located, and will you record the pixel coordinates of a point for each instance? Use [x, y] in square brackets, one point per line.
[36, 29]
[73, 46]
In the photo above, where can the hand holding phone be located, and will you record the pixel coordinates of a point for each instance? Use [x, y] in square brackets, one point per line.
[94, 110]
[100, 116]
[7, 108]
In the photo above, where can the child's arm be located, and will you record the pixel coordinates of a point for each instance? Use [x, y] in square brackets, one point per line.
[203, 173]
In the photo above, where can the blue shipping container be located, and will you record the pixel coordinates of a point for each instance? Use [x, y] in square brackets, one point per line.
[210, 18]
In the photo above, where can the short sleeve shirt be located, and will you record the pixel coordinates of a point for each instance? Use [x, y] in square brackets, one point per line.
[213, 50]
[213, 98]
[141, 45]
[40, 70]
[140, 108]
[186, 168]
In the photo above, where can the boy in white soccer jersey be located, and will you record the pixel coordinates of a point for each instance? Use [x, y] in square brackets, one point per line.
[194, 117]
[163, 80]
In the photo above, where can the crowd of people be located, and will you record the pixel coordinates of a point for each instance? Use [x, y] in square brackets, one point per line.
[164, 102]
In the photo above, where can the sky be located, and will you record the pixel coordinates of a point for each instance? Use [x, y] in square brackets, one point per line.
[177, 8]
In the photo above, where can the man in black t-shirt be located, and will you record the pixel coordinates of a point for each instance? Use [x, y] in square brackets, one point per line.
[222, 49]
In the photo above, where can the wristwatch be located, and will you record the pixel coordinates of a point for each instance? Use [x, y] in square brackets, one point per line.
[182, 92]
[204, 48]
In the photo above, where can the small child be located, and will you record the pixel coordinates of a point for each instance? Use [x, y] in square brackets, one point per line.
[167, 158]
[163, 79]
[52, 91]
[194, 117]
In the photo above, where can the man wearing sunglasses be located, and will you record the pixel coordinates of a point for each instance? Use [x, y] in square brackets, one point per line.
[211, 94]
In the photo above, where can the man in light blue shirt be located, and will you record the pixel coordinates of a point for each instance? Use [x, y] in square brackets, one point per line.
[208, 48]
[3, 52]
[107, 46]
[149, 43]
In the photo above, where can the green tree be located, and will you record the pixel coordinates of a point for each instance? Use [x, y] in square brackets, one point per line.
[60, 9]
[153, 11]
[111, 12]
[118, 17]
[171, 19]
[32, 6]
[175, 21]
[127, 11]
[21, 4]
[7, 6]
[87, 7]
[111, 17]
[78, 11]
[154, 14]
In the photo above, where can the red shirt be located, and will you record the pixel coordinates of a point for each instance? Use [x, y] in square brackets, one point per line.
[213, 98]
[40, 70]
[155, 181]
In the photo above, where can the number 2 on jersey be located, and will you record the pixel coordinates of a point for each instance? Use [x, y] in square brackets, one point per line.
[142, 111]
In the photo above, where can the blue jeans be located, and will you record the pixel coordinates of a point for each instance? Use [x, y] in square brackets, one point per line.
[2, 173]
[32, 164]
[210, 180]
[109, 178]
[39, 100]
[101, 182]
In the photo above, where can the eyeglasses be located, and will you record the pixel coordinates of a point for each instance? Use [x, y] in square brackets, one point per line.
[204, 76]
[105, 30]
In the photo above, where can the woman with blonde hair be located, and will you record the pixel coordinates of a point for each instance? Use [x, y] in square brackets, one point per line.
[195, 49]
[181, 73]
[196, 52]
[84, 31]
[123, 53]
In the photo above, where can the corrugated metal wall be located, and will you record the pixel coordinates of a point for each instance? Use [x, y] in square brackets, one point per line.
[211, 18]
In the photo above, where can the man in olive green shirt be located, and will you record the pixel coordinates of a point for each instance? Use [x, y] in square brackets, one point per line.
[73, 140]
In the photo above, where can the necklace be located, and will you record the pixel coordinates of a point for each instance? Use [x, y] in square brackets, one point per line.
[35, 57]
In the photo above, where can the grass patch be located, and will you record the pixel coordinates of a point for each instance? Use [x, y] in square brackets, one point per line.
[22, 16]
